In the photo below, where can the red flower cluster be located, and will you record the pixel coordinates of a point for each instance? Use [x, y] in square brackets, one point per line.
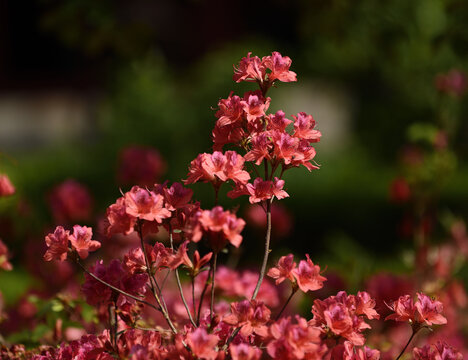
[228, 314]
[6, 187]
[140, 165]
[81, 242]
[70, 201]
[161, 204]
[306, 276]
[424, 311]
[219, 227]
[218, 168]
[439, 351]
[255, 69]
[115, 274]
[343, 315]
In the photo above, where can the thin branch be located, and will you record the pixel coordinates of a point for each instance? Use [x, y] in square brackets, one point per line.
[117, 289]
[293, 291]
[267, 250]
[179, 285]
[148, 269]
[415, 331]
[215, 258]
[202, 296]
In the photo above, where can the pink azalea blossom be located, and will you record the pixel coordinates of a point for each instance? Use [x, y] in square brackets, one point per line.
[255, 105]
[81, 241]
[145, 205]
[116, 275]
[250, 316]
[228, 134]
[290, 341]
[218, 167]
[278, 121]
[279, 66]
[249, 69]
[219, 227]
[6, 187]
[304, 127]
[140, 165]
[308, 275]
[283, 270]
[230, 111]
[260, 148]
[262, 190]
[57, 244]
[439, 351]
[424, 311]
[429, 311]
[177, 196]
[70, 201]
[244, 351]
[118, 220]
[339, 315]
[203, 344]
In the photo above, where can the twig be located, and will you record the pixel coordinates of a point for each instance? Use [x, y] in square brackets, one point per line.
[179, 285]
[267, 250]
[293, 291]
[117, 289]
[215, 258]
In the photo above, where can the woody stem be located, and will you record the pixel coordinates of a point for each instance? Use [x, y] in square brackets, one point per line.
[151, 278]
[117, 289]
[202, 296]
[179, 285]
[293, 291]
[215, 258]
[267, 249]
[415, 331]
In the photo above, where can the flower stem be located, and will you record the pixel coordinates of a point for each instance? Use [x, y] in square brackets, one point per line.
[151, 278]
[202, 296]
[179, 285]
[415, 331]
[117, 289]
[215, 258]
[193, 296]
[293, 291]
[267, 250]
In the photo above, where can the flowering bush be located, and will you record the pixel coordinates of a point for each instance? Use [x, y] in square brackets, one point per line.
[172, 299]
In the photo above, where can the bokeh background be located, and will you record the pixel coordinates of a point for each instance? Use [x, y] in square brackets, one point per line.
[82, 80]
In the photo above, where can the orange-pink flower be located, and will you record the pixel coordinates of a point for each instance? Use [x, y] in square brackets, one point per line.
[279, 66]
[145, 205]
[219, 227]
[218, 167]
[263, 190]
[244, 351]
[203, 344]
[291, 341]
[304, 127]
[81, 241]
[308, 275]
[249, 69]
[283, 270]
[424, 311]
[429, 311]
[250, 316]
[118, 220]
[57, 243]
